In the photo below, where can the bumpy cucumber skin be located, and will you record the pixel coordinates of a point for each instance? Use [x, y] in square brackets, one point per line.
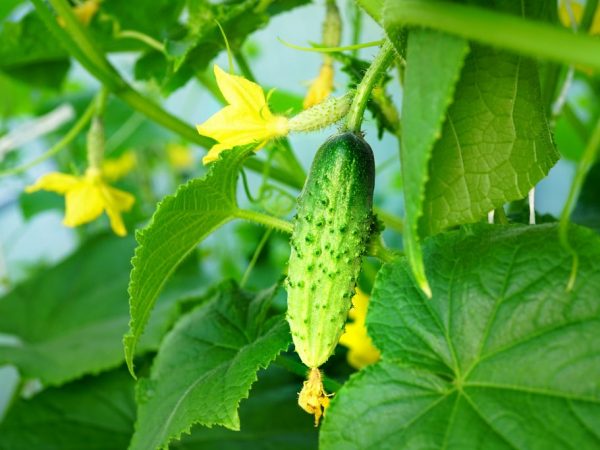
[331, 229]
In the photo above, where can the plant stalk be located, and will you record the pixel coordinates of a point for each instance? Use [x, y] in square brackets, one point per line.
[374, 73]
[528, 37]
[265, 219]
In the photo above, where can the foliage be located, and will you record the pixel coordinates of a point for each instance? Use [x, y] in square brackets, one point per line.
[68, 320]
[483, 331]
[229, 338]
[486, 354]
[99, 412]
[195, 211]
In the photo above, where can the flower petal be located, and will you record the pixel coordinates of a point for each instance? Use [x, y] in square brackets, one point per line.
[83, 204]
[361, 351]
[116, 201]
[180, 156]
[238, 91]
[233, 125]
[246, 120]
[214, 152]
[321, 87]
[117, 168]
[55, 182]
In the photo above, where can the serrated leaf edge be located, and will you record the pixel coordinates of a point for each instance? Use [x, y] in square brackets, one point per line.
[131, 339]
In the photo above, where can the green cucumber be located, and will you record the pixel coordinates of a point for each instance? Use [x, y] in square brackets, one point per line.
[331, 230]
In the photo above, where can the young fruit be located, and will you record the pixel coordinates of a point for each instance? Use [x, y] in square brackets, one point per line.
[331, 230]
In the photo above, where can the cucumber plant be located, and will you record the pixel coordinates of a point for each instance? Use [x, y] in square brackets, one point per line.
[476, 322]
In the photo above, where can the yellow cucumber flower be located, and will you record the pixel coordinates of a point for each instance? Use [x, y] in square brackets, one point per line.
[116, 168]
[321, 86]
[246, 119]
[86, 197]
[361, 352]
[84, 12]
[577, 10]
[180, 156]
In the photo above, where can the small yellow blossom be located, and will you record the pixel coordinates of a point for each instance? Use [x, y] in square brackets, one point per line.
[577, 9]
[246, 119]
[86, 197]
[180, 156]
[321, 86]
[361, 352]
[116, 168]
[84, 12]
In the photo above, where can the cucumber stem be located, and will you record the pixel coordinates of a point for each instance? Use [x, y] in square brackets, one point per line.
[377, 248]
[374, 73]
[265, 219]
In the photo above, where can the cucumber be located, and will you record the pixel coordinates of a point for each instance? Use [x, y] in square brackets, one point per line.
[331, 230]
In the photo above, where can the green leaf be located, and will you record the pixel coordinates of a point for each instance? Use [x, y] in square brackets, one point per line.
[153, 66]
[179, 224]
[372, 7]
[270, 419]
[68, 321]
[30, 54]
[99, 413]
[428, 91]
[500, 357]
[206, 365]
[18, 98]
[204, 41]
[495, 144]
[38, 202]
[570, 138]
[92, 413]
[155, 19]
[7, 6]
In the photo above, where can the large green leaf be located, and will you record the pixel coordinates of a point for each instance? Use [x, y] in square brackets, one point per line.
[179, 224]
[495, 144]
[434, 64]
[69, 320]
[94, 413]
[500, 357]
[206, 366]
